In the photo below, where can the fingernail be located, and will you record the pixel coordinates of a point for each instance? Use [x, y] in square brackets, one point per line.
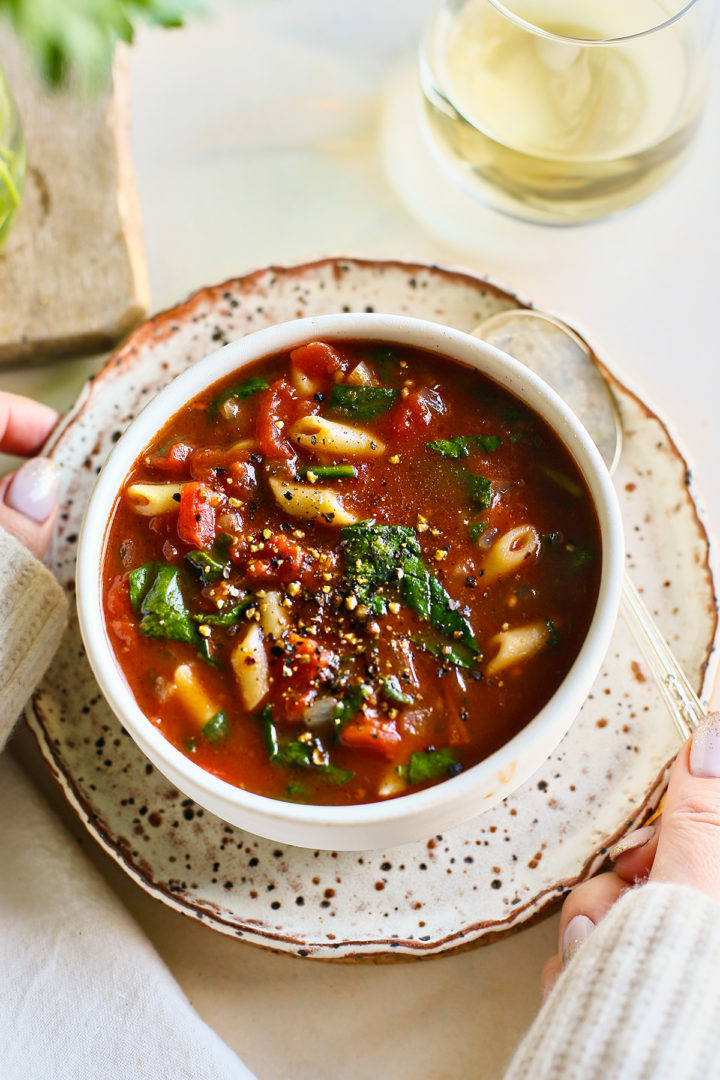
[33, 489]
[577, 931]
[705, 747]
[635, 839]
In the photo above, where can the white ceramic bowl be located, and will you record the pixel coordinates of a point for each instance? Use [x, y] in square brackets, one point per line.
[413, 816]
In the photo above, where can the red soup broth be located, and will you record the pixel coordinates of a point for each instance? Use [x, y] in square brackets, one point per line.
[349, 571]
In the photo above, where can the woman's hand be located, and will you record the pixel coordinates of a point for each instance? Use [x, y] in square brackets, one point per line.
[682, 847]
[28, 497]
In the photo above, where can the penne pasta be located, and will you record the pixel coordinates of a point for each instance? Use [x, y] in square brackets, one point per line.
[318, 435]
[310, 502]
[250, 665]
[189, 691]
[516, 646]
[509, 551]
[273, 616]
[153, 499]
[304, 385]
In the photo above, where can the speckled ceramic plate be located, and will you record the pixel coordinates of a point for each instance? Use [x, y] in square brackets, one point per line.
[484, 879]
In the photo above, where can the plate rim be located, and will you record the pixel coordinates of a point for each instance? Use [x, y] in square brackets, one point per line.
[159, 328]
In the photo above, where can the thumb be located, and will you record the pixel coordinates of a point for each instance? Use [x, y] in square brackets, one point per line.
[688, 850]
[28, 503]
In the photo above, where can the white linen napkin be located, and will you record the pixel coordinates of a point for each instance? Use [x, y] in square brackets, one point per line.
[83, 993]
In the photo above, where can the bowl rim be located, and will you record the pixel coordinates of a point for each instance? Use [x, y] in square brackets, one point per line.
[433, 337]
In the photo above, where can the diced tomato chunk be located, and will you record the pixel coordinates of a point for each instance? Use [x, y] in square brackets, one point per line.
[196, 520]
[374, 734]
[281, 560]
[119, 610]
[318, 359]
[411, 413]
[299, 672]
[205, 463]
[274, 415]
[174, 463]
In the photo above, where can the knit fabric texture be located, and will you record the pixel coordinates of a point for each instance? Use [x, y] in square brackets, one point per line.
[33, 610]
[639, 1001]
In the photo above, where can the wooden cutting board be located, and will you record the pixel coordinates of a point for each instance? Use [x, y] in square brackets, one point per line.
[73, 278]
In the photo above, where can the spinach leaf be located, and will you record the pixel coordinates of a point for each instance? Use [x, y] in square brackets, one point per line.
[362, 402]
[452, 448]
[479, 490]
[243, 390]
[379, 555]
[163, 610]
[423, 594]
[217, 727]
[459, 447]
[226, 618]
[311, 755]
[210, 565]
[392, 690]
[457, 653]
[209, 568]
[581, 556]
[374, 554]
[140, 581]
[269, 732]
[349, 705]
[476, 529]
[430, 764]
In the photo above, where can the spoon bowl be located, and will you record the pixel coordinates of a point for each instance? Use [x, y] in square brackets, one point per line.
[562, 359]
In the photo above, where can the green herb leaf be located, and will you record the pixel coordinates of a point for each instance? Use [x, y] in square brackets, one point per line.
[452, 448]
[429, 765]
[383, 555]
[423, 593]
[488, 443]
[210, 565]
[457, 654]
[305, 754]
[479, 490]
[476, 529]
[216, 728]
[163, 610]
[269, 732]
[226, 618]
[581, 556]
[459, 447]
[350, 705]
[329, 472]
[374, 554]
[554, 638]
[209, 568]
[140, 581]
[552, 539]
[362, 402]
[242, 391]
[393, 691]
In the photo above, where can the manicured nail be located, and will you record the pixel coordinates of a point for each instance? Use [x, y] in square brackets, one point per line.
[33, 489]
[705, 747]
[577, 931]
[635, 839]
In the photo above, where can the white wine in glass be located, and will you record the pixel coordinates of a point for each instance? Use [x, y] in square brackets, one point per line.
[564, 110]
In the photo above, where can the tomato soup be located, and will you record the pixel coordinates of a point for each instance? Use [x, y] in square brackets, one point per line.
[349, 571]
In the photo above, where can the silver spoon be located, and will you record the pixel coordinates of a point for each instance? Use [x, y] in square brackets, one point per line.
[550, 348]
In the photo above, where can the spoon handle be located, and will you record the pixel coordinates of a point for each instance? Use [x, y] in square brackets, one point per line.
[685, 707]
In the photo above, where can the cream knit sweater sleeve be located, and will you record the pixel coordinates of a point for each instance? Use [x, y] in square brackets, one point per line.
[639, 1001]
[33, 610]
